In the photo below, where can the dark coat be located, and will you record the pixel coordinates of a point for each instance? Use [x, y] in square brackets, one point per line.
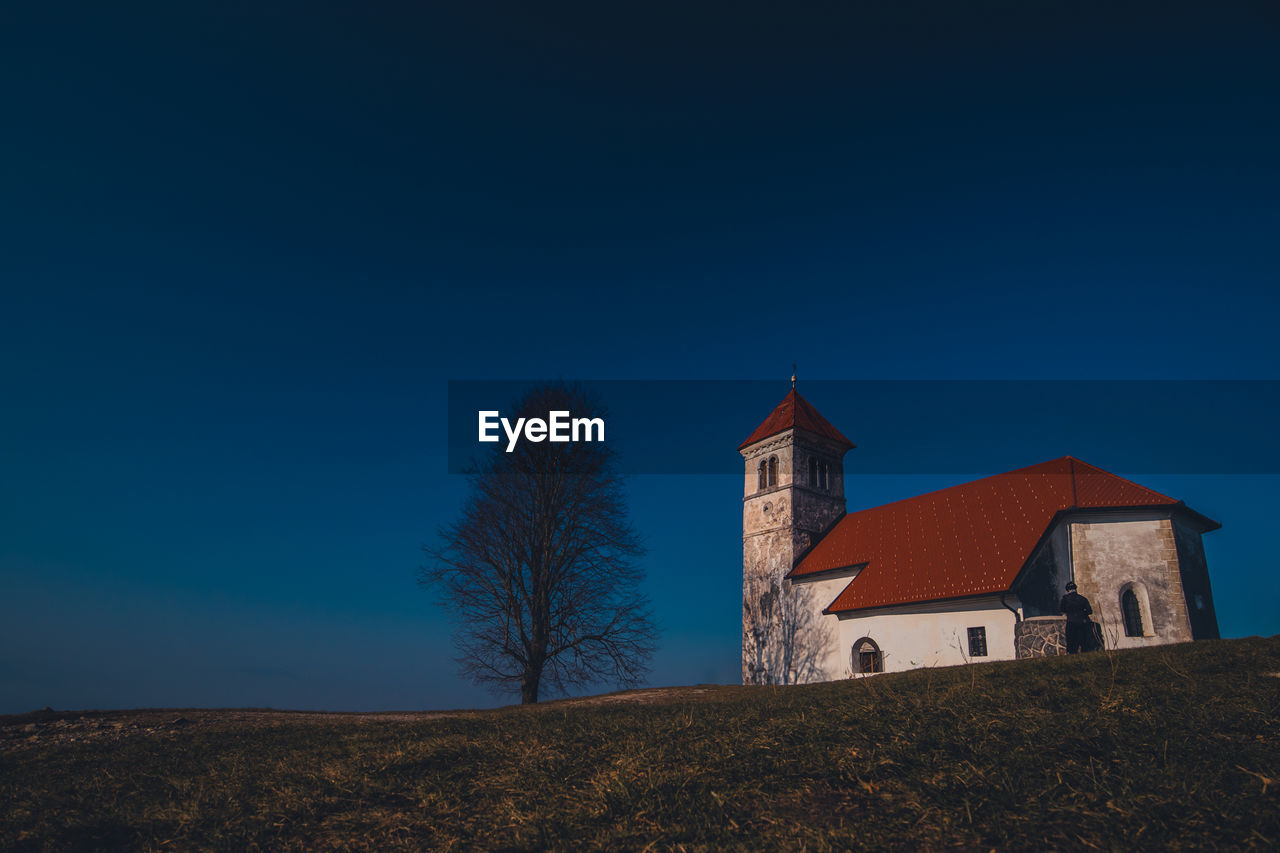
[1075, 607]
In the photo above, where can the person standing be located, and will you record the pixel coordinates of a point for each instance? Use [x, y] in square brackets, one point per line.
[1076, 608]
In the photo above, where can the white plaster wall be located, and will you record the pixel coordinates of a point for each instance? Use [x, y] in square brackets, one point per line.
[826, 629]
[917, 636]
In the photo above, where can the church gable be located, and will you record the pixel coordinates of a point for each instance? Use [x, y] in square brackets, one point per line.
[968, 540]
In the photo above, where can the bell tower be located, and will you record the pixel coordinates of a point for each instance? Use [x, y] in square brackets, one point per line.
[793, 494]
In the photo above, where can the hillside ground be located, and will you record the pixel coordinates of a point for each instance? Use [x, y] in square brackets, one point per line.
[1169, 747]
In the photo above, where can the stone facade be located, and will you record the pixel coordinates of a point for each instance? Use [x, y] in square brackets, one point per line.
[1156, 554]
[1040, 636]
[785, 638]
[1112, 556]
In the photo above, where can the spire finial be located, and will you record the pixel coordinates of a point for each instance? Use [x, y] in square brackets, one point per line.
[793, 375]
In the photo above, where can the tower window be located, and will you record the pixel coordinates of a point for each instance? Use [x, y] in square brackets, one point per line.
[867, 657]
[978, 642]
[762, 482]
[819, 474]
[1132, 614]
[773, 470]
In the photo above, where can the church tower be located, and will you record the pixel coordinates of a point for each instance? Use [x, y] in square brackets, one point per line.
[793, 494]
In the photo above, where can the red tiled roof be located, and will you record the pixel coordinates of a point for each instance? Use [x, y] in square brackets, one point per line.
[970, 539]
[796, 411]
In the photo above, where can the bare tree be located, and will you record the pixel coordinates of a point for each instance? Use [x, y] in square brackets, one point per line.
[539, 571]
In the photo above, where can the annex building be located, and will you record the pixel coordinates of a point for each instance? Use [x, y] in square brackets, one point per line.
[969, 573]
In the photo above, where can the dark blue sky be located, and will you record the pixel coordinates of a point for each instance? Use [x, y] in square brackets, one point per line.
[244, 247]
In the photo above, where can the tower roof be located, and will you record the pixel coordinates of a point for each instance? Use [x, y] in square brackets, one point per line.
[796, 412]
[970, 539]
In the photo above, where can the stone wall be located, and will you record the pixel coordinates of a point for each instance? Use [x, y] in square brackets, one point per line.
[1113, 556]
[785, 637]
[1040, 636]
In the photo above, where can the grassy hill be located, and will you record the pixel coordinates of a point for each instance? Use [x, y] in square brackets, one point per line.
[1167, 747]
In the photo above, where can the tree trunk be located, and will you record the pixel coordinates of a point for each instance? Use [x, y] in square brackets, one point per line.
[529, 688]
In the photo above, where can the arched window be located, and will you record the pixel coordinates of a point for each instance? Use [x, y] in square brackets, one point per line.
[813, 472]
[1132, 613]
[826, 477]
[773, 470]
[762, 481]
[867, 657]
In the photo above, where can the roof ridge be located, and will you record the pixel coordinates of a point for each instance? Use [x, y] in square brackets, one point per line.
[1098, 470]
[975, 482]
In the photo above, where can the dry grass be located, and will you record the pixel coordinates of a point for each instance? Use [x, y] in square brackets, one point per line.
[1167, 747]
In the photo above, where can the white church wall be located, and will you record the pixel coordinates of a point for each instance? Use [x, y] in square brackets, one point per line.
[915, 636]
[824, 631]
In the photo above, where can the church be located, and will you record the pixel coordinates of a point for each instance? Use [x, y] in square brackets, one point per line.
[966, 574]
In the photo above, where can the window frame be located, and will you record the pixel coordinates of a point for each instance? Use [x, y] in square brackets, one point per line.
[1128, 595]
[863, 648]
[978, 642]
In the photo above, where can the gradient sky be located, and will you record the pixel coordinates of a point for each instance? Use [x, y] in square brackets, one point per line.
[244, 247]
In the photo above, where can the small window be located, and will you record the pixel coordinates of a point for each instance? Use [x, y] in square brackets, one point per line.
[867, 657]
[773, 470]
[762, 482]
[978, 642]
[826, 477]
[1132, 614]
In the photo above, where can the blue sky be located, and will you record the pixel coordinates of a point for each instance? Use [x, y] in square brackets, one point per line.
[243, 249]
